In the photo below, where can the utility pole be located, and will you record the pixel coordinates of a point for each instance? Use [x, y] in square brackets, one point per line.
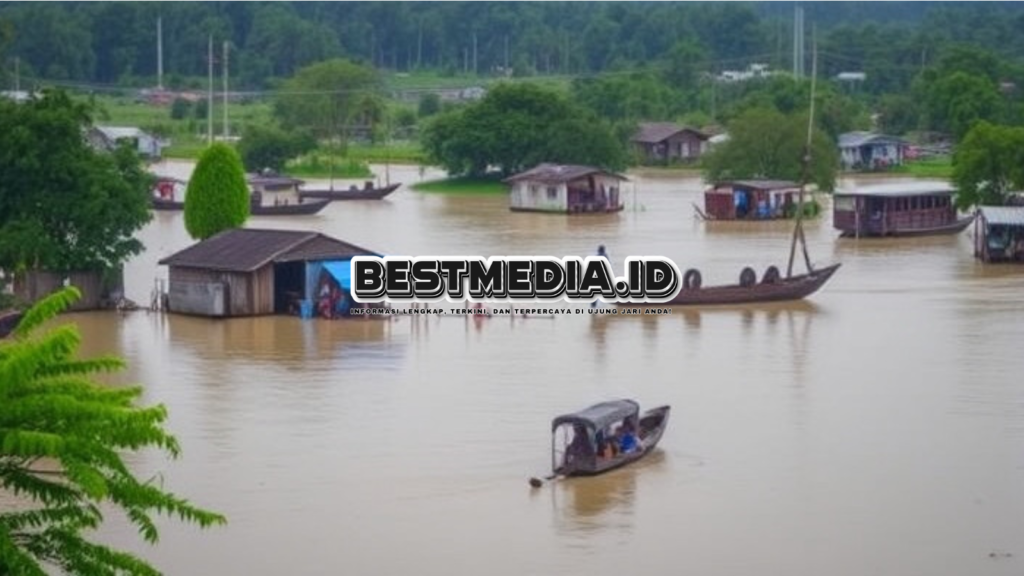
[17, 74]
[506, 54]
[419, 45]
[475, 69]
[159, 53]
[209, 96]
[225, 90]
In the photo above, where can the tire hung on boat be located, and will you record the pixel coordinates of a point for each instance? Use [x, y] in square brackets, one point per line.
[692, 279]
[748, 277]
[771, 275]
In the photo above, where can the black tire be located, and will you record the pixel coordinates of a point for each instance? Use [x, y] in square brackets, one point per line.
[692, 280]
[748, 277]
[771, 275]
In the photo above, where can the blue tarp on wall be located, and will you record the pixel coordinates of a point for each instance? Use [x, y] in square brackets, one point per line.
[341, 270]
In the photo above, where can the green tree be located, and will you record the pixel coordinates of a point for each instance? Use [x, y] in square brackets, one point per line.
[955, 102]
[429, 104]
[63, 204]
[217, 197]
[330, 98]
[988, 163]
[516, 126]
[764, 143]
[62, 436]
[270, 147]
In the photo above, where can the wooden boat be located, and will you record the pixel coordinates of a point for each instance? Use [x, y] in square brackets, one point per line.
[311, 207]
[9, 320]
[368, 192]
[904, 209]
[580, 444]
[750, 200]
[772, 288]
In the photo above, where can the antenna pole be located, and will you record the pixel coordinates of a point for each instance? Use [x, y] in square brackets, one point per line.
[159, 54]
[225, 90]
[798, 229]
[209, 95]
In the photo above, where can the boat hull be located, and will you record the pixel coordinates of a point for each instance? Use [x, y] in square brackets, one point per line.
[364, 194]
[792, 288]
[957, 227]
[311, 207]
[651, 428]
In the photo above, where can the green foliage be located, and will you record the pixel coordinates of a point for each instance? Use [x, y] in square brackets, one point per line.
[988, 164]
[180, 108]
[766, 144]
[62, 436]
[516, 126]
[63, 205]
[217, 197]
[270, 147]
[331, 98]
[463, 186]
[430, 104]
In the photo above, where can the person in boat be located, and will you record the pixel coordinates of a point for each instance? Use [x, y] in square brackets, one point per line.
[629, 442]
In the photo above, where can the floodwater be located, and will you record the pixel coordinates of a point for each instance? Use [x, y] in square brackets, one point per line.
[875, 428]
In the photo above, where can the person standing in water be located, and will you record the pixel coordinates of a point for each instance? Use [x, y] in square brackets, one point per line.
[602, 254]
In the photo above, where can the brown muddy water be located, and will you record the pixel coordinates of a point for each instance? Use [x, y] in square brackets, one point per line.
[876, 428]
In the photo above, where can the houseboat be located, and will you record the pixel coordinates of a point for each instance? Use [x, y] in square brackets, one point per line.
[566, 189]
[903, 209]
[999, 234]
[751, 200]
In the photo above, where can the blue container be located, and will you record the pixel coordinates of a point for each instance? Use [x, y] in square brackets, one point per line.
[306, 309]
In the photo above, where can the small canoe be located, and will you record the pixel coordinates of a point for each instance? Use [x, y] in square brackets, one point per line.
[311, 207]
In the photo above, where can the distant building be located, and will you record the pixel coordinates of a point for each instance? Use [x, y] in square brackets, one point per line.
[109, 137]
[566, 189]
[753, 72]
[999, 234]
[667, 142]
[871, 151]
[17, 95]
[851, 76]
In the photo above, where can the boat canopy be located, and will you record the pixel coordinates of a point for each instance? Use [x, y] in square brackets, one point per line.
[600, 415]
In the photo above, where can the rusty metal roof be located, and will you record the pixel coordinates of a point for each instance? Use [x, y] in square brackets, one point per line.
[249, 249]
[1003, 215]
[557, 173]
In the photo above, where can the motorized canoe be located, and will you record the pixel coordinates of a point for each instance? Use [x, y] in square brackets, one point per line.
[588, 442]
[771, 288]
[368, 193]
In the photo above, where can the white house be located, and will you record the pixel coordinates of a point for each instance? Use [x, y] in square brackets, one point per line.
[148, 145]
[870, 151]
[566, 189]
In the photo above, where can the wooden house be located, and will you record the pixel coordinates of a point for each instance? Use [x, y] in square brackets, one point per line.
[566, 189]
[869, 151]
[251, 272]
[900, 209]
[999, 234]
[98, 290]
[666, 143]
[751, 200]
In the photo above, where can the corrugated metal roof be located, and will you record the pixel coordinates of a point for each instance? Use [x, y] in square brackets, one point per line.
[758, 184]
[653, 132]
[899, 189]
[856, 139]
[248, 249]
[556, 173]
[1003, 215]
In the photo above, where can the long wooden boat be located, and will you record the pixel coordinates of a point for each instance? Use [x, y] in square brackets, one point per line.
[9, 320]
[898, 209]
[772, 288]
[353, 193]
[311, 207]
[586, 443]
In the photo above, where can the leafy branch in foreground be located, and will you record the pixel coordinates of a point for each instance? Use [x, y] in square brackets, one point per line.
[61, 438]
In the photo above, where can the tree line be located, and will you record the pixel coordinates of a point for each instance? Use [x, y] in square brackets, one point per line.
[109, 42]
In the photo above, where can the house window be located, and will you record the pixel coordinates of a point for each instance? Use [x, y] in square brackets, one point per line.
[533, 190]
[552, 192]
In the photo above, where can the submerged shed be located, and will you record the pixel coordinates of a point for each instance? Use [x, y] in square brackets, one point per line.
[249, 272]
[999, 234]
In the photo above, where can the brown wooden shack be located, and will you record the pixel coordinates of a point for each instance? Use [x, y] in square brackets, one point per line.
[751, 200]
[251, 272]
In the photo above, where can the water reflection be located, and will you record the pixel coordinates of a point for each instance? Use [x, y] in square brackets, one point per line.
[588, 505]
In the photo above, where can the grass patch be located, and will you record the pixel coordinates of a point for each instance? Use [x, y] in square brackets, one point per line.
[320, 165]
[940, 167]
[396, 153]
[462, 185]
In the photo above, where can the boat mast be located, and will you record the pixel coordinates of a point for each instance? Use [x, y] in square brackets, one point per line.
[798, 228]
